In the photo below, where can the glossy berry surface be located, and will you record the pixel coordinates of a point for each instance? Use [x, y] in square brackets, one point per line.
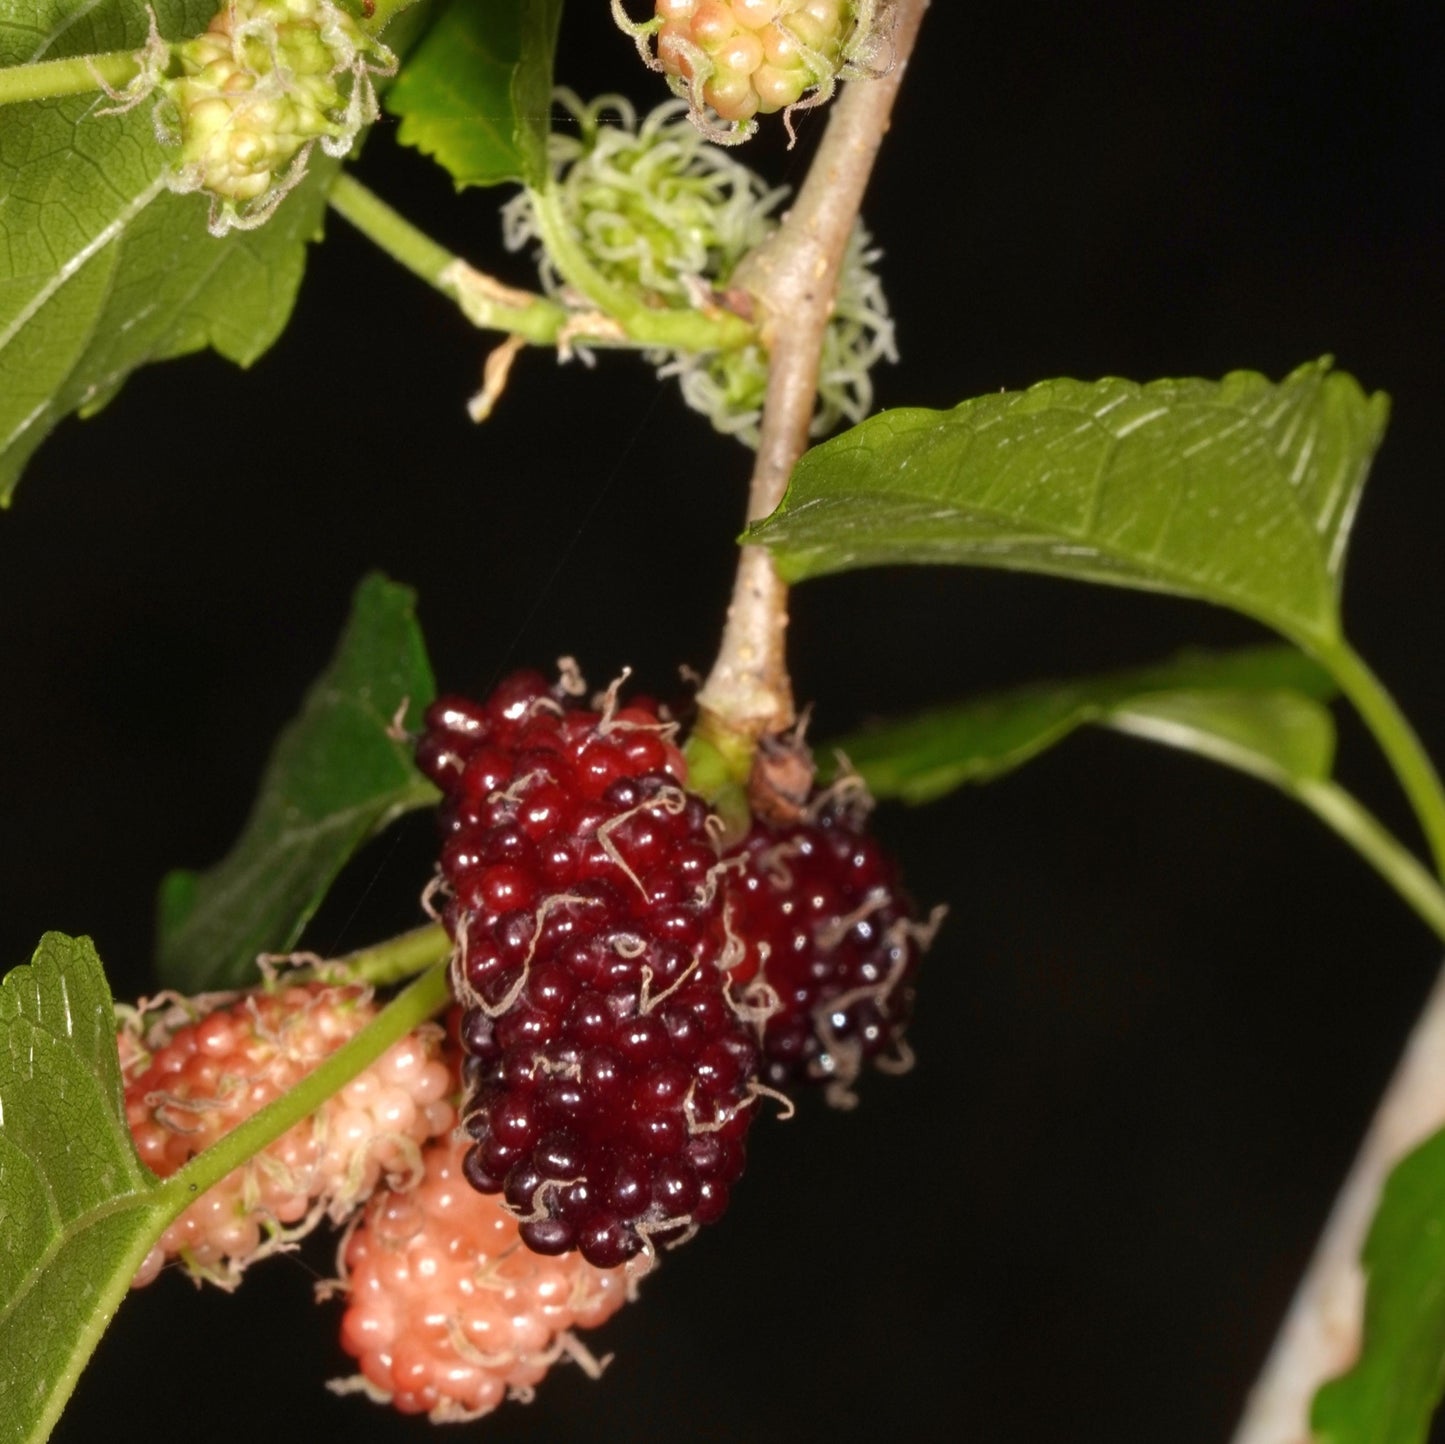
[612, 1064]
[817, 906]
[192, 1075]
[447, 1315]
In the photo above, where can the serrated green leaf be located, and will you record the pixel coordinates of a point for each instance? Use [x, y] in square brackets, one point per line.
[102, 269]
[1239, 492]
[335, 778]
[1259, 705]
[1390, 1394]
[476, 95]
[77, 1210]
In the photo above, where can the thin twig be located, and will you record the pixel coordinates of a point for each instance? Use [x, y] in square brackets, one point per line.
[1320, 1336]
[793, 279]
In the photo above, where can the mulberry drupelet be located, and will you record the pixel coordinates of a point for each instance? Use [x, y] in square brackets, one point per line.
[613, 1060]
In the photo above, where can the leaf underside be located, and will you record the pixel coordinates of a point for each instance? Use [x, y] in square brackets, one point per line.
[1256, 708]
[1390, 1394]
[337, 775]
[476, 96]
[1239, 492]
[77, 1215]
[102, 269]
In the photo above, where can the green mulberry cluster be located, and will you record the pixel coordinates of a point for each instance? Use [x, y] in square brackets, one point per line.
[258, 89]
[664, 216]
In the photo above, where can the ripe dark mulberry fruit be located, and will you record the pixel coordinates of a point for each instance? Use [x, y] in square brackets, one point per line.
[446, 1314]
[612, 1065]
[197, 1070]
[816, 908]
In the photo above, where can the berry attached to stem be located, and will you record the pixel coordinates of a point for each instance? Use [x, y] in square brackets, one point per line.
[647, 220]
[816, 907]
[613, 1066]
[735, 59]
[447, 1313]
[193, 1070]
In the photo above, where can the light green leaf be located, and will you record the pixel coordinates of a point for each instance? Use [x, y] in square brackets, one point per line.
[1239, 492]
[1390, 1394]
[477, 94]
[102, 269]
[77, 1215]
[1280, 737]
[1256, 708]
[1260, 711]
[336, 777]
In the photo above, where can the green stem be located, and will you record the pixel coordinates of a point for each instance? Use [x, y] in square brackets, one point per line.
[1340, 811]
[494, 307]
[383, 13]
[1348, 818]
[425, 997]
[76, 75]
[485, 303]
[680, 330]
[398, 959]
[1397, 740]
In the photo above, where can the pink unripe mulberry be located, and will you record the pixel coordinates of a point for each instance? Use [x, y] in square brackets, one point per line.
[447, 1313]
[195, 1072]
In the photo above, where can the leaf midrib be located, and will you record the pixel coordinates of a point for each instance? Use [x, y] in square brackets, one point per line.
[146, 1197]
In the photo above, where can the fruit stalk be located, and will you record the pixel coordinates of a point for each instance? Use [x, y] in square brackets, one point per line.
[792, 279]
[70, 75]
[420, 1001]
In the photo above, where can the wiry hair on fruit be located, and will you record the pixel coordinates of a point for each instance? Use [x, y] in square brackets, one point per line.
[447, 1314]
[612, 1074]
[815, 909]
[734, 59]
[194, 1069]
[655, 206]
[651, 208]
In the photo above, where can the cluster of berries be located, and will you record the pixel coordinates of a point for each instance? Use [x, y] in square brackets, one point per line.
[741, 58]
[630, 989]
[258, 88]
[613, 1065]
[626, 990]
[446, 1313]
[194, 1070]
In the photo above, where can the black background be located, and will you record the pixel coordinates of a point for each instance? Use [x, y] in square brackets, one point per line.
[1165, 1000]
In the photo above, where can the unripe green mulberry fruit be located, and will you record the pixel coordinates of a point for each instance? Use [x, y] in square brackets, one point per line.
[259, 88]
